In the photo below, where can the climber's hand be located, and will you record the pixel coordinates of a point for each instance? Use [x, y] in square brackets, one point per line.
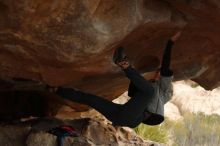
[176, 36]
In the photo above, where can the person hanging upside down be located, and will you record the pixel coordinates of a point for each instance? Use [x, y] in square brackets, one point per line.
[148, 96]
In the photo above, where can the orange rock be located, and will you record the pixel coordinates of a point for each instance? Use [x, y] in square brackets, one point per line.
[71, 42]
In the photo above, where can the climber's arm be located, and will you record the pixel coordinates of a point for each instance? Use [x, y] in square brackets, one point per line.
[165, 81]
[166, 60]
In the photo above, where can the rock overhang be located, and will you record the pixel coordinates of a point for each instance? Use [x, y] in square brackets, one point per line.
[72, 42]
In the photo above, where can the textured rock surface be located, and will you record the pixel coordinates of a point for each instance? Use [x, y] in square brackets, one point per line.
[71, 42]
[13, 136]
[189, 97]
[92, 133]
[172, 111]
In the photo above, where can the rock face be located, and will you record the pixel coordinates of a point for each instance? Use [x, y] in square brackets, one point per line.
[91, 133]
[70, 42]
[189, 97]
[172, 111]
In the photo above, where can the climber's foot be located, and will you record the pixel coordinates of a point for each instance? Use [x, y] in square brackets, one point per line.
[119, 55]
[120, 58]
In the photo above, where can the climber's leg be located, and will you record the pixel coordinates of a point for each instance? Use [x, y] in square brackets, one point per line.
[105, 107]
[131, 110]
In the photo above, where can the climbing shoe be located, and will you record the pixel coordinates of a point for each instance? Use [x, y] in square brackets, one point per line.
[119, 55]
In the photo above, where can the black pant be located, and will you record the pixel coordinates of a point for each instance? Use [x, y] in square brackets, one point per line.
[124, 114]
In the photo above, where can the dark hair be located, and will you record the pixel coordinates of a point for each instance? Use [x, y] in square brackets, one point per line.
[154, 119]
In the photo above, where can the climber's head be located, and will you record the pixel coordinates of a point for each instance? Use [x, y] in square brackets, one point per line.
[152, 118]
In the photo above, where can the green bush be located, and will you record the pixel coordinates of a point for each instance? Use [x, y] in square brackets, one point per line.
[194, 85]
[153, 133]
[194, 130]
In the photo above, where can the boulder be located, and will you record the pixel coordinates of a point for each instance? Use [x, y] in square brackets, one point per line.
[71, 42]
[90, 133]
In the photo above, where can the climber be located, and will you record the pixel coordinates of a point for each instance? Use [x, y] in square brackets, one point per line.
[148, 96]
